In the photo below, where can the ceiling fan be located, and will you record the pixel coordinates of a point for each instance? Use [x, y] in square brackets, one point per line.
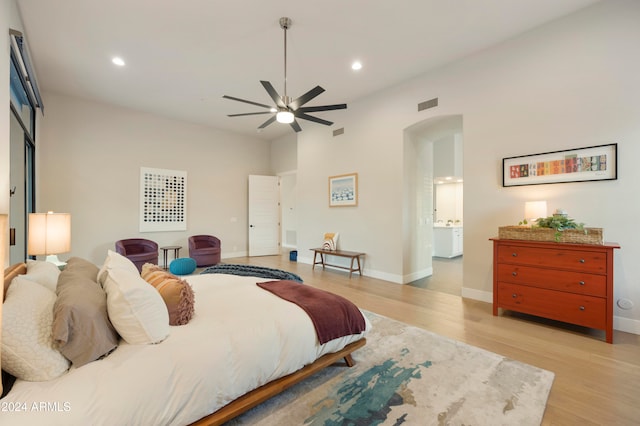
[287, 110]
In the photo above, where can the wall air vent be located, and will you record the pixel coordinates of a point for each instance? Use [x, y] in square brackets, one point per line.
[428, 104]
[338, 132]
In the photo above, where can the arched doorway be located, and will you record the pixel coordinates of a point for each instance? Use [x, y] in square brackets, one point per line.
[434, 204]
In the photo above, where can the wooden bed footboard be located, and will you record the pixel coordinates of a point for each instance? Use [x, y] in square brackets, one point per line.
[261, 394]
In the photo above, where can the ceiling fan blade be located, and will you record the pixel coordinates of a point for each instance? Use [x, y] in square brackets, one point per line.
[322, 108]
[266, 123]
[247, 102]
[312, 118]
[272, 92]
[306, 97]
[295, 126]
[249, 113]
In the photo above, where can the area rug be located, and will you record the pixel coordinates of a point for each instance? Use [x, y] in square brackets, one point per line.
[408, 376]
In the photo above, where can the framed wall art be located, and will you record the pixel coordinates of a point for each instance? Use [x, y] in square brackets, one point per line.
[343, 190]
[163, 200]
[571, 165]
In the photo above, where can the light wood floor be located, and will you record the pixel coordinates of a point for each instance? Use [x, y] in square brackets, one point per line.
[446, 277]
[595, 384]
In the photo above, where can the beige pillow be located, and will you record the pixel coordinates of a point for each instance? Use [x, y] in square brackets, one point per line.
[176, 293]
[28, 350]
[81, 327]
[135, 309]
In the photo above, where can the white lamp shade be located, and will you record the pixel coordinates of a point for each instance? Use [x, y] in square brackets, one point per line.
[49, 233]
[285, 117]
[535, 210]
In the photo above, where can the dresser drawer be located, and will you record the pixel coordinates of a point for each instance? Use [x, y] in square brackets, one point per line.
[577, 309]
[575, 260]
[553, 279]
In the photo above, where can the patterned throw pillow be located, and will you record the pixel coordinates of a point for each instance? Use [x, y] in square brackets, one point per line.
[330, 241]
[176, 293]
[28, 350]
[43, 272]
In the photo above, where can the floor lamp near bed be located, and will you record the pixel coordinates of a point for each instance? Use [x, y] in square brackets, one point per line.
[49, 235]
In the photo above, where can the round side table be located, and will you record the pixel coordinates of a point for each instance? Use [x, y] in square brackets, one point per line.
[165, 254]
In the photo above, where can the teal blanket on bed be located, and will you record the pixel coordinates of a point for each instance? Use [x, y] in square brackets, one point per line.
[252, 271]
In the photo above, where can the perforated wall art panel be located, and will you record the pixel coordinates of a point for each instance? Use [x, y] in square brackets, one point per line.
[163, 200]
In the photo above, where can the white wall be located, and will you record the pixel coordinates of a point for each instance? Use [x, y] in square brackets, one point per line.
[374, 152]
[449, 202]
[417, 231]
[569, 84]
[9, 18]
[284, 161]
[90, 156]
[284, 154]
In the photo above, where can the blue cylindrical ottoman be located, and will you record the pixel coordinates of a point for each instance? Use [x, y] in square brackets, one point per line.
[182, 266]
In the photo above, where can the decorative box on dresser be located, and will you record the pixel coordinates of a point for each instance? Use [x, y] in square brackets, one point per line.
[572, 283]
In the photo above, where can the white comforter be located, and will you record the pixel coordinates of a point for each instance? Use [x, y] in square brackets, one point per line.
[240, 338]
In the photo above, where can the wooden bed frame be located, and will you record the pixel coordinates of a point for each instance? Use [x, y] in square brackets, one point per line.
[255, 397]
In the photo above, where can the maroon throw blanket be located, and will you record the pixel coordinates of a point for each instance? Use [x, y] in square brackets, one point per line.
[333, 316]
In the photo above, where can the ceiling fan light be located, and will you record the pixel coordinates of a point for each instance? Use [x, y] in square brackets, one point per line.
[285, 117]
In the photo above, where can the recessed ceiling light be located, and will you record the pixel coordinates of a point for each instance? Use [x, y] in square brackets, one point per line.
[356, 65]
[118, 61]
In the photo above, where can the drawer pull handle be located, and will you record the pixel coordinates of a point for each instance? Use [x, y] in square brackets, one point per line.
[581, 260]
[514, 273]
[582, 308]
[514, 295]
[581, 283]
[514, 254]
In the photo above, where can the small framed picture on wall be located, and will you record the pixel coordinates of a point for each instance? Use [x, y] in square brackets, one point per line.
[343, 190]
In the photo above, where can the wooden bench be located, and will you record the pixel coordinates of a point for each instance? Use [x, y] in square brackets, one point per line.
[353, 255]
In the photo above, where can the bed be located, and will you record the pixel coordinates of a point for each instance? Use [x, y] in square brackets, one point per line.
[243, 345]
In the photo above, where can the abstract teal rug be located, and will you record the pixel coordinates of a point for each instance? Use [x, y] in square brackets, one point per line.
[408, 376]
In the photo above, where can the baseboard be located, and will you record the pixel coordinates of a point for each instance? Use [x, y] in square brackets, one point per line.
[393, 278]
[483, 296]
[233, 254]
[627, 325]
[415, 276]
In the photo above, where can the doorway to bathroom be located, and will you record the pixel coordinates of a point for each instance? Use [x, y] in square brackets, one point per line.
[440, 141]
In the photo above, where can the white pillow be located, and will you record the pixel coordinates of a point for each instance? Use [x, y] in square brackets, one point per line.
[27, 344]
[135, 308]
[42, 272]
[330, 241]
[115, 260]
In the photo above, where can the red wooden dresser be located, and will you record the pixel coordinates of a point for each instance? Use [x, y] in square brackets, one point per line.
[572, 283]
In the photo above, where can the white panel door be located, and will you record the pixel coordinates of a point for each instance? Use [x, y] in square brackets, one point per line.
[264, 215]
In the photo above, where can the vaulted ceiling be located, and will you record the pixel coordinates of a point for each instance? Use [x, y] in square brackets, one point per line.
[183, 56]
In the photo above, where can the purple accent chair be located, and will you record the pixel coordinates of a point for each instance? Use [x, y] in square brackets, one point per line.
[139, 251]
[205, 249]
